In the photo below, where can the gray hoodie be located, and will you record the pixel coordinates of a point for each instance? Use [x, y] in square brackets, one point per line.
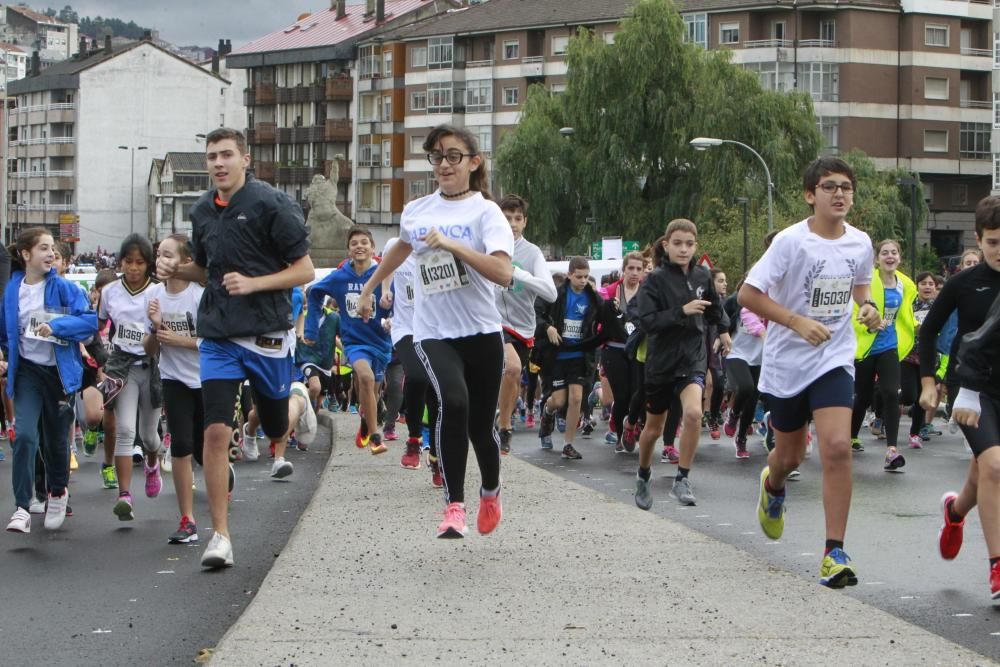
[531, 279]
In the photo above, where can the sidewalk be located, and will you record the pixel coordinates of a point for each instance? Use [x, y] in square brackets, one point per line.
[570, 577]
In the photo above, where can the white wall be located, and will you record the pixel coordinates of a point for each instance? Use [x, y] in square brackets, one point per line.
[143, 97]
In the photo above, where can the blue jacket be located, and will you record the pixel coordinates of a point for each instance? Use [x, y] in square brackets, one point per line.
[79, 324]
[353, 330]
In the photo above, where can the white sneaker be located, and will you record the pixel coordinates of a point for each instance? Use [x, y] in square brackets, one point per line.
[281, 468]
[20, 522]
[251, 452]
[305, 429]
[138, 456]
[218, 553]
[166, 460]
[55, 514]
[36, 506]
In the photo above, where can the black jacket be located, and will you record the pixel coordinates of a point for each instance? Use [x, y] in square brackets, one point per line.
[595, 325]
[262, 231]
[676, 342]
[978, 365]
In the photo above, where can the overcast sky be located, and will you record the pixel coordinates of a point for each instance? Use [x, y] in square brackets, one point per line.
[197, 22]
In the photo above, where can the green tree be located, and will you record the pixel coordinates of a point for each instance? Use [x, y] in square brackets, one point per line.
[634, 106]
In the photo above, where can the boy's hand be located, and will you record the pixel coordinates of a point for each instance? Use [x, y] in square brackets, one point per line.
[812, 331]
[553, 335]
[696, 307]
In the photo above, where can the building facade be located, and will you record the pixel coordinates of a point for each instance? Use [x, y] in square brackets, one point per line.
[54, 40]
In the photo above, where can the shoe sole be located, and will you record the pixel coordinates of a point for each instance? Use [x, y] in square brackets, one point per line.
[215, 562]
[282, 472]
[944, 498]
[186, 540]
[451, 534]
[413, 467]
[18, 530]
[845, 577]
[124, 511]
[761, 513]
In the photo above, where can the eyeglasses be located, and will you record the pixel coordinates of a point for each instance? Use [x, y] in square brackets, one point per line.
[829, 187]
[453, 157]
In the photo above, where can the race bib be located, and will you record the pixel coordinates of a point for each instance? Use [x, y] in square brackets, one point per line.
[441, 272]
[830, 297]
[130, 332]
[919, 316]
[573, 329]
[890, 316]
[181, 324]
[353, 300]
[37, 318]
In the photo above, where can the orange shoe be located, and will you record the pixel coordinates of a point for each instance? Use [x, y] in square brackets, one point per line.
[490, 513]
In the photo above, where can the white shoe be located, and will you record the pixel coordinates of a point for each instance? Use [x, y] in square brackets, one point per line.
[55, 514]
[166, 460]
[20, 522]
[305, 429]
[218, 553]
[138, 456]
[281, 468]
[36, 506]
[251, 452]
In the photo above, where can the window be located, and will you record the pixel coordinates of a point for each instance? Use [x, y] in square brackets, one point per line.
[935, 88]
[417, 144]
[186, 211]
[418, 101]
[778, 31]
[996, 111]
[440, 52]
[557, 88]
[729, 33]
[369, 155]
[386, 202]
[974, 141]
[439, 97]
[935, 141]
[935, 35]
[959, 194]
[369, 62]
[418, 188]
[418, 56]
[479, 95]
[369, 196]
[828, 30]
[829, 127]
[996, 172]
[387, 63]
[696, 29]
[387, 108]
[560, 45]
[510, 97]
[773, 75]
[369, 108]
[928, 189]
[511, 49]
[484, 136]
[820, 80]
[387, 153]
[609, 37]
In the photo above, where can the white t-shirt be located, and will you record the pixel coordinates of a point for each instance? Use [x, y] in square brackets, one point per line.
[453, 300]
[813, 277]
[746, 346]
[403, 296]
[31, 313]
[179, 313]
[127, 311]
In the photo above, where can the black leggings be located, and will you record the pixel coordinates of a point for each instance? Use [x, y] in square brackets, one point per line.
[637, 405]
[886, 367]
[742, 379]
[909, 383]
[185, 419]
[625, 377]
[415, 386]
[718, 392]
[465, 375]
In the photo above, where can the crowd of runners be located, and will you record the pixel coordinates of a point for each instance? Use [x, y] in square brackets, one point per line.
[206, 349]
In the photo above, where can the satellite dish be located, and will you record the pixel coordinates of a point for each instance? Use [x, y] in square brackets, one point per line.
[304, 15]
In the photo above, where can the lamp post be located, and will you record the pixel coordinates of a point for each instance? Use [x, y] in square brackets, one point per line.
[745, 203]
[131, 195]
[704, 143]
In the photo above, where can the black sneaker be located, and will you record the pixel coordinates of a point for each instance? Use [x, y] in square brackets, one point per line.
[547, 424]
[569, 452]
[505, 434]
[588, 428]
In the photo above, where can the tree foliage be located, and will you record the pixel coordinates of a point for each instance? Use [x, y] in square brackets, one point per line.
[98, 26]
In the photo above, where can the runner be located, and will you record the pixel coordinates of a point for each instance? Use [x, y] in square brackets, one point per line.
[250, 243]
[676, 304]
[804, 285]
[909, 369]
[624, 373]
[716, 389]
[971, 293]
[881, 349]
[43, 320]
[742, 375]
[516, 304]
[463, 246]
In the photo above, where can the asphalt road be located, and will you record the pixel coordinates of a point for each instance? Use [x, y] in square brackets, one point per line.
[102, 592]
[892, 532]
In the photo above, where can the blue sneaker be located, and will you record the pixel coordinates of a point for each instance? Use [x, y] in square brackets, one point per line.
[353, 410]
[835, 571]
[610, 438]
[561, 424]
[545, 442]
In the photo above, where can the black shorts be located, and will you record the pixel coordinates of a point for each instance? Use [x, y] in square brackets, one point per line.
[222, 400]
[988, 433]
[659, 396]
[89, 376]
[569, 371]
[521, 347]
[185, 419]
[833, 389]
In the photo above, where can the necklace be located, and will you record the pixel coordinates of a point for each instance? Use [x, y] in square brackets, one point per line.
[457, 194]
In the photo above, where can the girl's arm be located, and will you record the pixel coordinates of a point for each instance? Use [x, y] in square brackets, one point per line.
[81, 322]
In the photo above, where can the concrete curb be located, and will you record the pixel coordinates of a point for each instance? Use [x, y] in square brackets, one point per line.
[571, 577]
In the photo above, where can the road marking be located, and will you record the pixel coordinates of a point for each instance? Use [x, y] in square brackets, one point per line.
[961, 615]
[874, 583]
[703, 516]
[807, 553]
[749, 532]
[909, 597]
[166, 572]
[99, 631]
[723, 524]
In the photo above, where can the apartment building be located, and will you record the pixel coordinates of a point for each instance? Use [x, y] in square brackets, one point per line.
[300, 85]
[54, 40]
[14, 60]
[910, 83]
[175, 184]
[83, 129]
[470, 68]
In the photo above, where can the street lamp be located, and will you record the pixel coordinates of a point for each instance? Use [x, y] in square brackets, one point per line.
[131, 196]
[704, 143]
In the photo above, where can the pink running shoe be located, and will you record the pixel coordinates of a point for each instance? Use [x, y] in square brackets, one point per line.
[389, 434]
[915, 442]
[153, 480]
[490, 513]
[670, 455]
[730, 426]
[529, 421]
[453, 526]
[411, 457]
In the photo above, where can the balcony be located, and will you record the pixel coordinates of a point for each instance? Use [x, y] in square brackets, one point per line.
[339, 89]
[978, 53]
[816, 43]
[294, 94]
[262, 94]
[297, 175]
[471, 64]
[346, 170]
[533, 66]
[338, 129]
[262, 133]
[975, 104]
[264, 171]
[301, 135]
[768, 44]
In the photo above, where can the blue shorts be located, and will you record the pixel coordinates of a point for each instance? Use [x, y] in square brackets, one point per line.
[225, 360]
[833, 389]
[378, 361]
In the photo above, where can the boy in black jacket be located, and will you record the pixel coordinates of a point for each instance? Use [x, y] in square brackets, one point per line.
[570, 328]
